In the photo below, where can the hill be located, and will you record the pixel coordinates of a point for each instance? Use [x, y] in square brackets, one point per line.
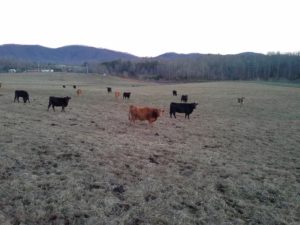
[73, 54]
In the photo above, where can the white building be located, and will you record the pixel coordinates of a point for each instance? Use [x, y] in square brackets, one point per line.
[12, 70]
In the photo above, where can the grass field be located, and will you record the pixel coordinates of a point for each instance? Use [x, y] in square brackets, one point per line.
[228, 164]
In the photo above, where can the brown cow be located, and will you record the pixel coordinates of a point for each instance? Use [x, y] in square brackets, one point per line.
[79, 92]
[117, 94]
[144, 113]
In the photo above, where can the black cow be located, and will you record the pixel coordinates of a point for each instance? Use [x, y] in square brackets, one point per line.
[64, 86]
[186, 108]
[184, 98]
[23, 94]
[174, 93]
[74, 86]
[108, 89]
[241, 100]
[58, 101]
[126, 95]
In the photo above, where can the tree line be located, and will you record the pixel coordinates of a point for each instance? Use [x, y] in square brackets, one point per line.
[244, 66]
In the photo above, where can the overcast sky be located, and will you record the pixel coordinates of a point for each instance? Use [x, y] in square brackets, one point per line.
[153, 27]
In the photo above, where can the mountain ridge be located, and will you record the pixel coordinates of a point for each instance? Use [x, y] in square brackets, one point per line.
[80, 54]
[70, 54]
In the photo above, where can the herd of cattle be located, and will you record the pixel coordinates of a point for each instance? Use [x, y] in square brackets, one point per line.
[135, 113]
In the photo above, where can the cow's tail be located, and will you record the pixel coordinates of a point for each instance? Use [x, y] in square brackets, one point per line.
[129, 112]
[129, 116]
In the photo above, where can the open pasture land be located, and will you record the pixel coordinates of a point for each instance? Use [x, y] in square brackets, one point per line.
[228, 164]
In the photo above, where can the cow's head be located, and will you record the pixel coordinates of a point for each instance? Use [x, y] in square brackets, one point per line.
[194, 105]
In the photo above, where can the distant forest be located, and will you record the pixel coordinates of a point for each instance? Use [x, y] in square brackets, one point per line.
[176, 67]
[245, 66]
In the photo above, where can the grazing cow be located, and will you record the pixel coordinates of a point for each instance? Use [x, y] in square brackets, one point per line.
[117, 94]
[57, 101]
[126, 95]
[74, 86]
[79, 92]
[23, 94]
[108, 89]
[174, 93]
[144, 113]
[64, 86]
[184, 98]
[186, 108]
[241, 100]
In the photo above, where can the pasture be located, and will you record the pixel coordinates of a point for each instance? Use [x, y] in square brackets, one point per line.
[227, 164]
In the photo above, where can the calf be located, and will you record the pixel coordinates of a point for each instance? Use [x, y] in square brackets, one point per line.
[186, 108]
[79, 92]
[64, 86]
[174, 93]
[126, 95]
[184, 98]
[108, 89]
[74, 86]
[57, 101]
[144, 113]
[23, 94]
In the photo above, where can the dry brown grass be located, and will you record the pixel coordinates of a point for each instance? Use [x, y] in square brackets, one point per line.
[228, 164]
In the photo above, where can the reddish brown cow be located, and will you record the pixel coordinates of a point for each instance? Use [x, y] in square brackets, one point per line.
[117, 94]
[144, 113]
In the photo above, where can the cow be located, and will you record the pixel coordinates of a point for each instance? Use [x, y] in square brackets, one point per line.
[74, 86]
[23, 94]
[58, 101]
[186, 108]
[126, 95]
[241, 100]
[0, 85]
[184, 98]
[108, 89]
[64, 86]
[144, 113]
[117, 94]
[79, 92]
[174, 93]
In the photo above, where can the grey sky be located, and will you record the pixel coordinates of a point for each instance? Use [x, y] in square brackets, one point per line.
[153, 27]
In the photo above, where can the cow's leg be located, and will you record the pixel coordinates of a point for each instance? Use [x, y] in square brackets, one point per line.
[62, 109]
[53, 108]
[151, 120]
[15, 98]
[49, 106]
